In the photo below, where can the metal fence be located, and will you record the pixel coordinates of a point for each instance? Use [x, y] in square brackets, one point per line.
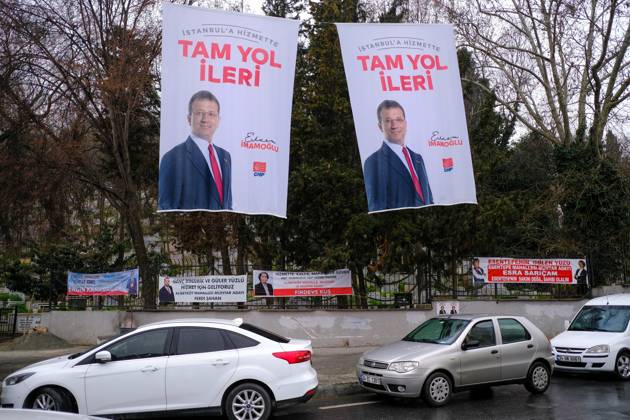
[381, 291]
[8, 321]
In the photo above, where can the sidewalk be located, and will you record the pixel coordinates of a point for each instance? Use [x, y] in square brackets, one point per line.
[335, 366]
[336, 370]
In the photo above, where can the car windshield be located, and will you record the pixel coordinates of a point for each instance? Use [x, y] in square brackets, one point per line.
[438, 331]
[607, 318]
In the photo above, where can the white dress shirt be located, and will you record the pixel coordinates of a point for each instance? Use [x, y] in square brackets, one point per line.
[398, 150]
[202, 144]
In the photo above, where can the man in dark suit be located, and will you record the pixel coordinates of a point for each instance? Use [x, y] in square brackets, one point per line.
[166, 292]
[479, 275]
[263, 288]
[395, 176]
[197, 174]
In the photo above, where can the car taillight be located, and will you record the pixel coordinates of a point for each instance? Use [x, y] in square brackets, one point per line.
[292, 357]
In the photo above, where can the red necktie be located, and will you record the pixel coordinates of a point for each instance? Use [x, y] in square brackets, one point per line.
[216, 173]
[414, 177]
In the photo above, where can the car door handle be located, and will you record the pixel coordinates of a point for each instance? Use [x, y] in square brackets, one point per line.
[148, 369]
[494, 351]
[529, 346]
[220, 363]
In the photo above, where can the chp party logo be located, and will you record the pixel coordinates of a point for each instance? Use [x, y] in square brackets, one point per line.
[447, 164]
[260, 168]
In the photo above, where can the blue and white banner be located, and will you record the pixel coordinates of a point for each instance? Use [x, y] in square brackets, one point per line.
[120, 283]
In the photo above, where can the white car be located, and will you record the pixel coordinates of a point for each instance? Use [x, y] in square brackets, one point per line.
[23, 414]
[182, 366]
[598, 338]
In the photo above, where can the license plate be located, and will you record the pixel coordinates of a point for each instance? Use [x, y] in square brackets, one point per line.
[370, 379]
[562, 358]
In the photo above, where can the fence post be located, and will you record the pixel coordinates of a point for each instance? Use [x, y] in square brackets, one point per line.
[15, 317]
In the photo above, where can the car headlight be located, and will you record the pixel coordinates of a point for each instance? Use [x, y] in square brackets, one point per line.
[403, 367]
[16, 379]
[602, 348]
[361, 359]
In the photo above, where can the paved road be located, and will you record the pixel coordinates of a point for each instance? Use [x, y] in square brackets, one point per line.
[568, 397]
[572, 397]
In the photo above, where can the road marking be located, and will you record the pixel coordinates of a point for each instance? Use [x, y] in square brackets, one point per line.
[330, 407]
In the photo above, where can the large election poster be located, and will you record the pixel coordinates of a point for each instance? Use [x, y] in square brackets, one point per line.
[227, 90]
[510, 270]
[283, 283]
[202, 289]
[119, 283]
[408, 110]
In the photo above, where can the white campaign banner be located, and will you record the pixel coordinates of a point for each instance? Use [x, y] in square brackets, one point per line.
[522, 270]
[202, 289]
[408, 109]
[27, 322]
[283, 283]
[227, 91]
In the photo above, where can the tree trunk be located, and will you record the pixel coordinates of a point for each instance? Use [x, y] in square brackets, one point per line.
[362, 288]
[147, 273]
[225, 258]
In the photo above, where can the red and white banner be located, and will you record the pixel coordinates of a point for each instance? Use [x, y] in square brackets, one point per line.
[282, 283]
[227, 92]
[509, 270]
[409, 117]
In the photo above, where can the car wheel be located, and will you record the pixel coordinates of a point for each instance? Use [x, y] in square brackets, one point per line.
[438, 389]
[538, 377]
[248, 402]
[622, 366]
[51, 399]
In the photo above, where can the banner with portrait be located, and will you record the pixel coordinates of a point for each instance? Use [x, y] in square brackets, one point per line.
[283, 283]
[119, 283]
[408, 109]
[510, 270]
[227, 91]
[202, 289]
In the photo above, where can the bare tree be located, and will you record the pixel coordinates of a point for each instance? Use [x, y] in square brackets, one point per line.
[88, 73]
[561, 66]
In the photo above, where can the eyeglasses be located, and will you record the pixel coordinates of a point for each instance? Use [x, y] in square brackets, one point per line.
[387, 121]
[200, 114]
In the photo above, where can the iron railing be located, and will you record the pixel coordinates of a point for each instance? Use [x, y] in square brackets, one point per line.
[382, 291]
[8, 321]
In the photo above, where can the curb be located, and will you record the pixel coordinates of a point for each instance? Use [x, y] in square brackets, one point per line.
[339, 390]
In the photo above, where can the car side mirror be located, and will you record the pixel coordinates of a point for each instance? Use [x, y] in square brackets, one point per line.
[470, 344]
[103, 356]
[566, 324]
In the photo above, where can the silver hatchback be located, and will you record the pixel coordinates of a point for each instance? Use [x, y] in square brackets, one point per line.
[458, 352]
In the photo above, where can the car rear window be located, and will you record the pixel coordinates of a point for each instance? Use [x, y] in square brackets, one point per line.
[512, 331]
[200, 340]
[240, 341]
[267, 334]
